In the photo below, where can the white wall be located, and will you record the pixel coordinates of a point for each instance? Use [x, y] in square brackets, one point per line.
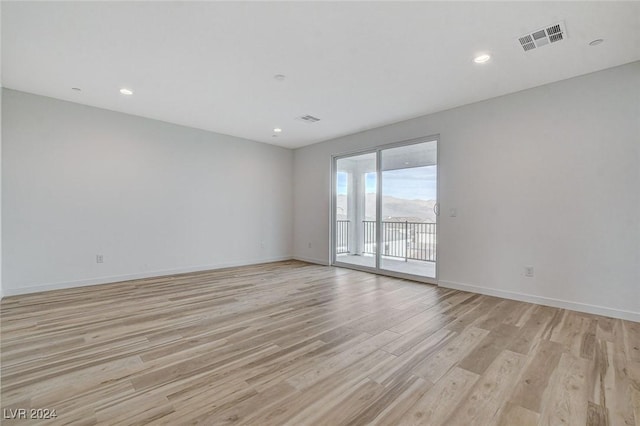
[152, 197]
[1, 283]
[548, 177]
[1, 90]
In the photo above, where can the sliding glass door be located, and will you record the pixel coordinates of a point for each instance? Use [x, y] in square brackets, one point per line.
[355, 209]
[408, 211]
[385, 209]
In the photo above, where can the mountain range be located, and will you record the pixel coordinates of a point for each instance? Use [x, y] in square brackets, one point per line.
[393, 209]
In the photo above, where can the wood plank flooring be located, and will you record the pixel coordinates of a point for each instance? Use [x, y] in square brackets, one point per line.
[293, 343]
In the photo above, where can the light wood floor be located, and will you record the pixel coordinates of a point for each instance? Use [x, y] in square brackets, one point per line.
[303, 344]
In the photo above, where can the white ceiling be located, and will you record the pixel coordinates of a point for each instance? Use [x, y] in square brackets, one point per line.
[355, 65]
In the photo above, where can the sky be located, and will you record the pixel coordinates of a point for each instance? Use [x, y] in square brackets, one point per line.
[418, 183]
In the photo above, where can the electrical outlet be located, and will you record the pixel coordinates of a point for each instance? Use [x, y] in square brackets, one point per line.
[309, 245]
[99, 258]
[262, 244]
[528, 271]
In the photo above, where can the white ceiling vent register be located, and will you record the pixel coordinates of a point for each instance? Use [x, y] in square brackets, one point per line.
[547, 35]
[309, 119]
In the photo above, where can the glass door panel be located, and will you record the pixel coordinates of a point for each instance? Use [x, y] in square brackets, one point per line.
[408, 203]
[385, 216]
[356, 210]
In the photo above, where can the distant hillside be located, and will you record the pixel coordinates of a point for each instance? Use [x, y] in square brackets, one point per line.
[393, 208]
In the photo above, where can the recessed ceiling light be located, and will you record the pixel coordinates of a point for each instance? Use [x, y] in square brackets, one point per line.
[277, 130]
[280, 77]
[126, 91]
[596, 42]
[481, 59]
[77, 89]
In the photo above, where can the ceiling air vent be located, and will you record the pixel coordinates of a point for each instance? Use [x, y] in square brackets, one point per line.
[309, 119]
[550, 34]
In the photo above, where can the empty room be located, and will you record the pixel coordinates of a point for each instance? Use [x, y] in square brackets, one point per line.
[320, 213]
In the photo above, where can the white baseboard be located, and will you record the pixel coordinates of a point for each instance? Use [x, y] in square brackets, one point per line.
[547, 301]
[311, 260]
[523, 297]
[136, 276]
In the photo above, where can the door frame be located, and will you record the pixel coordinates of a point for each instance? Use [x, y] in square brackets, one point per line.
[332, 217]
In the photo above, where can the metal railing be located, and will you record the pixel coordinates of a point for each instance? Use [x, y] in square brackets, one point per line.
[342, 236]
[406, 240]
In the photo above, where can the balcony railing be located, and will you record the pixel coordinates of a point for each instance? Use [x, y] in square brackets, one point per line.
[406, 240]
[342, 236]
